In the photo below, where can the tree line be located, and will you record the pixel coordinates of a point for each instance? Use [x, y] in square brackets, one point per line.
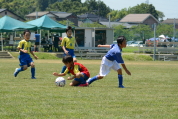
[98, 7]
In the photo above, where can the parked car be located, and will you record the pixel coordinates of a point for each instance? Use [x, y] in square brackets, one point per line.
[137, 44]
[130, 42]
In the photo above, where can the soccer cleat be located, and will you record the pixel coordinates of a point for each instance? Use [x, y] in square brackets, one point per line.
[33, 78]
[16, 72]
[121, 86]
[84, 85]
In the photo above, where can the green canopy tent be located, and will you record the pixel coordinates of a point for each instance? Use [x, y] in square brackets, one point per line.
[8, 24]
[47, 23]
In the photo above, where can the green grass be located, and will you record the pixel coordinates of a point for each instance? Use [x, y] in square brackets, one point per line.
[151, 92]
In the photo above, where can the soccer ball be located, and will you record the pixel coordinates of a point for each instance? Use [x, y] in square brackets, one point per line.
[60, 81]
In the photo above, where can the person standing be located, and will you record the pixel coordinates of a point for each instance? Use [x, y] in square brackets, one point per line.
[25, 60]
[37, 41]
[68, 45]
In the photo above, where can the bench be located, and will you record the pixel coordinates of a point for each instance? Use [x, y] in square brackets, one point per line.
[167, 51]
[92, 49]
[168, 57]
[90, 55]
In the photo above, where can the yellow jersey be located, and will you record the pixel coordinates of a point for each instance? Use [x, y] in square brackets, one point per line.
[25, 45]
[68, 42]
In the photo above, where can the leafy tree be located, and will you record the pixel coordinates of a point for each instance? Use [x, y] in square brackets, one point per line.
[165, 29]
[95, 24]
[160, 15]
[117, 14]
[67, 23]
[144, 8]
[142, 31]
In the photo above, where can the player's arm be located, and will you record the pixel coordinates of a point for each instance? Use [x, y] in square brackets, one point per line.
[31, 52]
[125, 68]
[107, 46]
[57, 74]
[63, 46]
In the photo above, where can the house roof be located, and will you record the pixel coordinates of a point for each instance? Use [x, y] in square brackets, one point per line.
[2, 10]
[39, 14]
[61, 14]
[118, 23]
[136, 18]
[88, 15]
[170, 21]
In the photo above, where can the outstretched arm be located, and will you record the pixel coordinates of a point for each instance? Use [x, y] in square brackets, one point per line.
[57, 74]
[107, 46]
[126, 70]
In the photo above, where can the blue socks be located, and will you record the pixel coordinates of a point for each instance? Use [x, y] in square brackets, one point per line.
[90, 80]
[33, 72]
[63, 69]
[120, 79]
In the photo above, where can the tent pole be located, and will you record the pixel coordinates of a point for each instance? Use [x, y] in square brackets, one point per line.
[40, 41]
[1, 43]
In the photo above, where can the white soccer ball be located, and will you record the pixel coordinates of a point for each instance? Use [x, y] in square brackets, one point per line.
[60, 81]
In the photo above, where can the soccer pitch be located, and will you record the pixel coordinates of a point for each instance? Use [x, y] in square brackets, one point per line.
[151, 92]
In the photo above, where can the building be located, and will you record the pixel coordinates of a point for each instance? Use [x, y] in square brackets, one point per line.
[171, 21]
[90, 18]
[57, 16]
[146, 19]
[4, 12]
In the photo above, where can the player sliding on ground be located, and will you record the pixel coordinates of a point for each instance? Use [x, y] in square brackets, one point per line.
[80, 73]
[112, 60]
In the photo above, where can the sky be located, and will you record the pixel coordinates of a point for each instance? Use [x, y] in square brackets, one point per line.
[168, 7]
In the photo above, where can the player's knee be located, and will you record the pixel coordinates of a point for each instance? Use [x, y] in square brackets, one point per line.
[71, 84]
[25, 68]
[32, 65]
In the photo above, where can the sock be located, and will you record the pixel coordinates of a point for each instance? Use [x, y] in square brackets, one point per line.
[63, 69]
[20, 69]
[92, 79]
[120, 79]
[33, 72]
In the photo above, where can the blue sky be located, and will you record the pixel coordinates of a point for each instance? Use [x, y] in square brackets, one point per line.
[168, 7]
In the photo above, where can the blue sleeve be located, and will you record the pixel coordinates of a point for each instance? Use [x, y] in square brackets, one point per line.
[118, 58]
[112, 46]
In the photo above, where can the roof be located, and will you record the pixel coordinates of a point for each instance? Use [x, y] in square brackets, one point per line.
[118, 23]
[39, 14]
[88, 15]
[2, 10]
[136, 18]
[170, 21]
[61, 14]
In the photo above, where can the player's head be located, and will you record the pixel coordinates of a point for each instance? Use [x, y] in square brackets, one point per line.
[26, 34]
[67, 60]
[69, 31]
[121, 41]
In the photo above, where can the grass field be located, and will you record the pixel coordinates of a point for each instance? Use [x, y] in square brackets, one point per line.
[151, 92]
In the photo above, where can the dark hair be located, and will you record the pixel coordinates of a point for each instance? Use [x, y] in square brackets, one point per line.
[35, 32]
[26, 31]
[69, 28]
[67, 59]
[120, 39]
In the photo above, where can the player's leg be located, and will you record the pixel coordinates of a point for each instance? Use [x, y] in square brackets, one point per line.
[117, 68]
[80, 80]
[104, 70]
[32, 70]
[23, 64]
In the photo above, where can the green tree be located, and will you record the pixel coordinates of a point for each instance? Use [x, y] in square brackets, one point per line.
[165, 29]
[160, 15]
[67, 23]
[142, 32]
[117, 14]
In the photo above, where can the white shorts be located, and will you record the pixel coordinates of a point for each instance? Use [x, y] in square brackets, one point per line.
[107, 65]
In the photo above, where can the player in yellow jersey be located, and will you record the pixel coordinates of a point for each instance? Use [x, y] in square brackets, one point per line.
[25, 60]
[68, 45]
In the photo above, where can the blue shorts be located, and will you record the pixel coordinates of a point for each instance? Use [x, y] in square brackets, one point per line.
[71, 52]
[82, 80]
[25, 59]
